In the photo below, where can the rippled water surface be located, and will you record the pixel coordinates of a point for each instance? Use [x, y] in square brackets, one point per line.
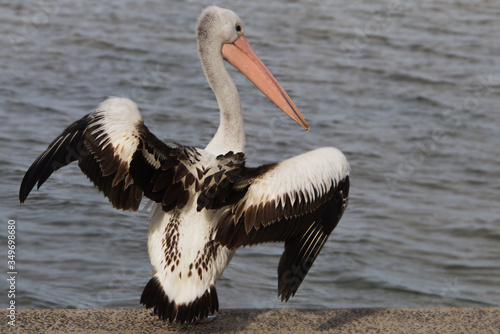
[408, 90]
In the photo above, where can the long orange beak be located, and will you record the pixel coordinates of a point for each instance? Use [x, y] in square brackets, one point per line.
[241, 55]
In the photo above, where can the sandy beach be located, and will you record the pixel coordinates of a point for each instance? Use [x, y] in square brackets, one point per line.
[369, 320]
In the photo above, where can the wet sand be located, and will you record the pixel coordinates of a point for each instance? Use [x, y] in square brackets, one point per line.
[369, 320]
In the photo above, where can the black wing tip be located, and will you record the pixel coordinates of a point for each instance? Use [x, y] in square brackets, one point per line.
[22, 198]
[289, 284]
[28, 183]
[298, 257]
[66, 148]
[287, 291]
[23, 193]
[286, 294]
[197, 311]
[301, 252]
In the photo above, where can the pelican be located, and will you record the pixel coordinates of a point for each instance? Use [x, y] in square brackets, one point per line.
[207, 202]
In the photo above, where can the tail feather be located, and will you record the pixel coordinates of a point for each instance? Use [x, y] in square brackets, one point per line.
[154, 297]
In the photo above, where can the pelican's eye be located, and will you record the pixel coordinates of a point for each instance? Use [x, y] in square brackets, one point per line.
[238, 29]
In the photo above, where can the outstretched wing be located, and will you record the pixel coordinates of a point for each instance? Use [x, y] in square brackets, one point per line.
[121, 157]
[299, 201]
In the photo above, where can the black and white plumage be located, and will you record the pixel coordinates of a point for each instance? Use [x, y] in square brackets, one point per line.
[208, 202]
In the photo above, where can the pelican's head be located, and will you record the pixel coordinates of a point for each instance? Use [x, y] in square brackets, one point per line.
[219, 25]
[221, 30]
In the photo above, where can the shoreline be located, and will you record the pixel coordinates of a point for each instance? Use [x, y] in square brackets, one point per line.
[356, 320]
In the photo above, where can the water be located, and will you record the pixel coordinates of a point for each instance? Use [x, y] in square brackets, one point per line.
[408, 91]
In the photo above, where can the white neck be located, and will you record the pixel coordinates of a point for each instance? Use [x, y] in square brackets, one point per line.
[230, 135]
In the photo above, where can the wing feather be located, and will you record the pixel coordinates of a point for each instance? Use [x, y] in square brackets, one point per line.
[121, 157]
[299, 201]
